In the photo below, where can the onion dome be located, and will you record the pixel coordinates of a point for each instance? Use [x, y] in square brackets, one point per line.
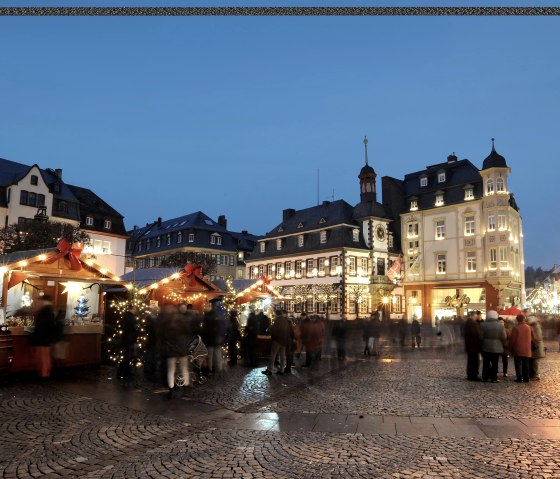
[494, 159]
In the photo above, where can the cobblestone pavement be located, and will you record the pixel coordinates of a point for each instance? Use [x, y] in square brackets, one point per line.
[406, 414]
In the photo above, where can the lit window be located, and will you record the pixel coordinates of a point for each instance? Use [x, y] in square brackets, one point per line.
[288, 269]
[423, 181]
[89, 221]
[191, 237]
[441, 264]
[364, 266]
[441, 177]
[179, 236]
[299, 268]
[493, 258]
[168, 239]
[262, 246]
[310, 265]
[412, 230]
[269, 270]
[158, 241]
[413, 205]
[279, 244]
[334, 265]
[356, 235]
[279, 270]
[502, 225]
[504, 257]
[469, 226]
[491, 223]
[352, 265]
[439, 200]
[321, 266]
[471, 261]
[300, 240]
[490, 187]
[106, 247]
[107, 224]
[469, 194]
[323, 237]
[413, 247]
[440, 230]
[500, 185]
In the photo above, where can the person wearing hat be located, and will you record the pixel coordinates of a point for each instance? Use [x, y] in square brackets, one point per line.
[538, 348]
[214, 327]
[493, 339]
[281, 336]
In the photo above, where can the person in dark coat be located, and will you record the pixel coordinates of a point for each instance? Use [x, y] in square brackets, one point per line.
[214, 327]
[44, 335]
[129, 340]
[473, 345]
[368, 336]
[312, 331]
[403, 326]
[493, 337]
[264, 324]
[250, 342]
[415, 333]
[174, 337]
[233, 336]
[339, 335]
[281, 336]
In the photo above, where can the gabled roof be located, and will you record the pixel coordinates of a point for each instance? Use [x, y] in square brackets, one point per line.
[144, 278]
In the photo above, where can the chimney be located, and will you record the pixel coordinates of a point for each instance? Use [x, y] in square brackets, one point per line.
[222, 221]
[326, 203]
[135, 227]
[452, 158]
[244, 232]
[159, 222]
[288, 213]
[58, 173]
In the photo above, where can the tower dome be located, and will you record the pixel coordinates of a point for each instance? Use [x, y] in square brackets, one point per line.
[494, 159]
[367, 179]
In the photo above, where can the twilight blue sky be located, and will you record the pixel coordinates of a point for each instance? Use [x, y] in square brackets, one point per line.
[234, 115]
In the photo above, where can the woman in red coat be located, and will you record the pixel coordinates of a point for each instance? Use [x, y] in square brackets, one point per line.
[520, 342]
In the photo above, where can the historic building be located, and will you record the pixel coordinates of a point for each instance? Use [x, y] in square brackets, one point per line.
[462, 238]
[194, 233]
[332, 258]
[26, 190]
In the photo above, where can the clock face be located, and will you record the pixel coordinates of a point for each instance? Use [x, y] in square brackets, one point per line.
[380, 232]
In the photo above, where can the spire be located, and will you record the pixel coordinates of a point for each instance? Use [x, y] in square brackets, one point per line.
[365, 144]
[493, 149]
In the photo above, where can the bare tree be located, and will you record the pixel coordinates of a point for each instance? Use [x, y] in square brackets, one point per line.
[181, 259]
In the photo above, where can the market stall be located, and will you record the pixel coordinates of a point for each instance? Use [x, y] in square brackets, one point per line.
[75, 285]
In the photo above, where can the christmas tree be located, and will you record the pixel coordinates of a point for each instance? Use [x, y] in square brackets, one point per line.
[82, 307]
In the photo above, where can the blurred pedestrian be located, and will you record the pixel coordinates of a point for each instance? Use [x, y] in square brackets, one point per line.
[233, 336]
[493, 339]
[473, 345]
[415, 333]
[214, 326]
[129, 343]
[520, 344]
[250, 342]
[339, 335]
[538, 348]
[44, 335]
[505, 355]
[281, 337]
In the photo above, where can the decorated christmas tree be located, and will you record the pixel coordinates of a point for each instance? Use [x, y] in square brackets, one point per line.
[82, 307]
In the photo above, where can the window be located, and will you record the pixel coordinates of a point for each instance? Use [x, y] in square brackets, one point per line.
[107, 224]
[300, 239]
[34, 180]
[179, 236]
[323, 237]
[279, 270]
[32, 199]
[215, 239]
[381, 266]
[441, 177]
[269, 270]
[356, 235]
[469, 226]
[261, 270]
[364, 266]
[351, 265]
[321, 266]
[23, 197]
[278, 244]
[168, 238]
[396, 303]
[309, 305]
[493, 258]
[504, 257]
[139, 246]
[89, 221]
[98, 246]
[412, 230]
[334, 265]
[423, 181]
[502, 225]
[62, 206]
[106, 247]
[158, 241]
[491, 223]
[288, 269]
[439, 199]
[441, 264]
[440, 229]
[191, 237]
[500, 185]
[232, 260]
[299, 268]
[148, 243]
[310, 266]
[262, 246]
[40, 200]
[471, 261]
[413, 246]
[413, 205]
[490, 187]
[469, 194]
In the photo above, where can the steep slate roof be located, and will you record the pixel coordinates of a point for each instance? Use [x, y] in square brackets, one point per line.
[337, 215]
[494, 159]
[92, 205]
[458, 174]
[198, 222]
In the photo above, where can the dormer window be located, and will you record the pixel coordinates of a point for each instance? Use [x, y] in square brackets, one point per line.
[500, 185]
[300, 241]
[168, 239]
[439, 199]
[34, 180]
[279, 244]
[490, 187]
[158, 241]
[191, 237]
[89, 221]
[107, 224]
[179, 236]
[300, 225]
[215, 239]
[441, 177]
[323, 237]
[413, 205]
[469, 194]
[423, 181]
[262, 246]
[356, 235]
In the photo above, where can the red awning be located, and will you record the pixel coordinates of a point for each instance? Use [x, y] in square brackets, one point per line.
[511, 311]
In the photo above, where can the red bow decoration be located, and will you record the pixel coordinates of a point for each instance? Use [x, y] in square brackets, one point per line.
[71, 251]
[193, 270]
[264, 283]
